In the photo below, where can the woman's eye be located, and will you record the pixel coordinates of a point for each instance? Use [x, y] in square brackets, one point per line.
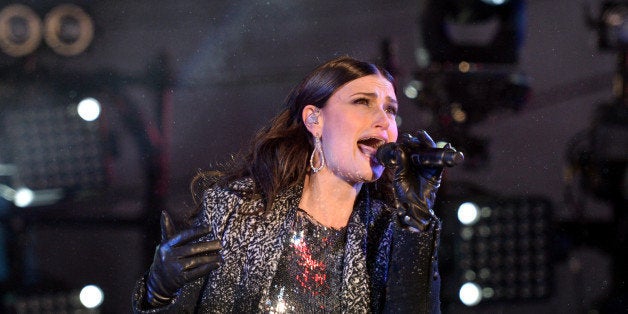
[361, 101]
[392, 110]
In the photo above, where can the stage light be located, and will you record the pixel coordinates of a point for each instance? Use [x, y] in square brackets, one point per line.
[68, 29]
[614, 18]
[470, 294]
[458, 113]
[91, 296]
[398, 120]
[499, 249]
[468, 213]
[611, 25]
[89, 109]
[20, 30]
[495, 2]
[48, 144]
[480, 31]
[87, 300]
[413, 88]
[459, 41]
[469, 97]
[23, 197]
[464, 67]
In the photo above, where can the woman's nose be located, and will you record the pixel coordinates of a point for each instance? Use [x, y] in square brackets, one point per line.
[382, 119]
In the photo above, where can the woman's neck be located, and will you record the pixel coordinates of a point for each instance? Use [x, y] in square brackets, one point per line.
[328, 199]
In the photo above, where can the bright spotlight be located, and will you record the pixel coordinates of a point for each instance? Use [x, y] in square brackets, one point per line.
[413, 89]
[91, 296]
[494, 2]
[23, 197]
[89, 109]
[470, 294]
[411, 92]
[468, 213]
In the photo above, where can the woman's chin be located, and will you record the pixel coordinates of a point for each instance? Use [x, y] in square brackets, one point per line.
[363, 174]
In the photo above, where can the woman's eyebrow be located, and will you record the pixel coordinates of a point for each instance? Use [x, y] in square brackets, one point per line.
[392, 100]
[374, 95]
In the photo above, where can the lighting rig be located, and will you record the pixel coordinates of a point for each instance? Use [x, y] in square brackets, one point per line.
[597, 159]
[494, 248]
[466, 68]
[56, 146]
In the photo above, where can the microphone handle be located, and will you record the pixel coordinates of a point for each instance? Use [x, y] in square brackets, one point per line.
[437, 157]
[427, 157]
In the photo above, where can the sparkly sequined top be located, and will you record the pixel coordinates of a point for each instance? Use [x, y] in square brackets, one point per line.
[309, 273]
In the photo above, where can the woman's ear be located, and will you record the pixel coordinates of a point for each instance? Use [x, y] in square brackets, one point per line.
[311, 119]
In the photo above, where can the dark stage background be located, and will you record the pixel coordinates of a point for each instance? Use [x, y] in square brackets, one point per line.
[184, 84]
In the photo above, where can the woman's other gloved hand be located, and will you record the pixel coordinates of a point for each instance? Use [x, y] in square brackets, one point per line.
[415, 185]
[179, 259]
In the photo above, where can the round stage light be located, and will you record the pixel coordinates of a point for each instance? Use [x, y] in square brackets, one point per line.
[23, 197]
[68, 29]
[413, 89]
[91, 296]
[88, 109]
[470, 294]
[20, 30]
[468, 213]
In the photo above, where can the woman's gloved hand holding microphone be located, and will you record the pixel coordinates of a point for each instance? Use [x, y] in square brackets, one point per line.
[416, 183]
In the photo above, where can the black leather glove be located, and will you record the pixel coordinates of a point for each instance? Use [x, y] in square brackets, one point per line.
[415, 186]
[179, 259]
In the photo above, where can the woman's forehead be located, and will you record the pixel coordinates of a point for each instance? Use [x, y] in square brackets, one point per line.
[376, 85]
[367, 84]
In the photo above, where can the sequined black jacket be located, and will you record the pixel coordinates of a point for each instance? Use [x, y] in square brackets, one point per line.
[386, 268]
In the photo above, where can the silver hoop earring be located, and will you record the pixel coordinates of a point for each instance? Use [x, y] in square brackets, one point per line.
[317, 150]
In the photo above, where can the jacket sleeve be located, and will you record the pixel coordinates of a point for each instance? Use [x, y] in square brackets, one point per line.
[413, 284]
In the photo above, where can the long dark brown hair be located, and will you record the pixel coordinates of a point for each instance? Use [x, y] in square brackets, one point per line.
[279, 153]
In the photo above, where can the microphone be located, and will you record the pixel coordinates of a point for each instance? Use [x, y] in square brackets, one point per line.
[424, 156]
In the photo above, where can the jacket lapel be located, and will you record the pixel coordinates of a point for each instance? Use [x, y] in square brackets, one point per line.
[355, 287]
[267, 249]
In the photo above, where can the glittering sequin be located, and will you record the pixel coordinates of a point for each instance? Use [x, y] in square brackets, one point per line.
[309, 274]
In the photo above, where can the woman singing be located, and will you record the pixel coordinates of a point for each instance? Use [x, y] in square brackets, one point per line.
[309, 221]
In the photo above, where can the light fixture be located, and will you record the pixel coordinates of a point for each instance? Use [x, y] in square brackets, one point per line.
[495, 2]
[468, 213]
[468, 97]
[68, 29]
[612, 25]
[498, 249]
[23, 197]
[470, 294]
[86, 300]
[481, 31]
[88, 109]
[20, 30]
[412, 89]
[49, 143]
[91, 296]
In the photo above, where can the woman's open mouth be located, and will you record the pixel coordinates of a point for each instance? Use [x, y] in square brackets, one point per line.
[369, 145]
